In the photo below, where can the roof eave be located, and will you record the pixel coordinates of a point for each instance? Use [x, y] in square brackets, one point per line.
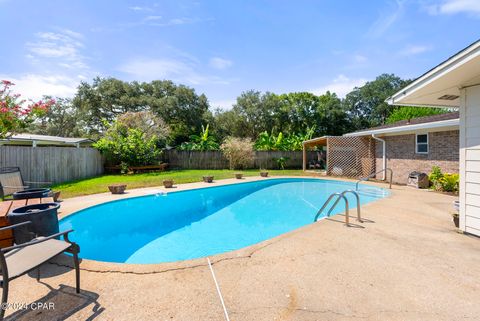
[434, 73]
[406, 128]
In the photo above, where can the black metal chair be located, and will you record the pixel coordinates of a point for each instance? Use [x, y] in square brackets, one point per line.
[11, 181]
[20, 259]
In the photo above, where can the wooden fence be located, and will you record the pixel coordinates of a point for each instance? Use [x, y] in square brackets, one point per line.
[52, 164]
[216, 160]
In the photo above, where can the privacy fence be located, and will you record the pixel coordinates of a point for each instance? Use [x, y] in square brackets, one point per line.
[216, 160]
[52, 164]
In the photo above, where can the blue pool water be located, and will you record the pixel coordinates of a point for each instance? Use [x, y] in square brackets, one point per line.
[202, 222]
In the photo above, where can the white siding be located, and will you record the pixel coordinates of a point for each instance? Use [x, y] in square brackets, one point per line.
[470, 160]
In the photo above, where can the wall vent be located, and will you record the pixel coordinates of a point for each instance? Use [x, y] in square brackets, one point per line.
[448, 97]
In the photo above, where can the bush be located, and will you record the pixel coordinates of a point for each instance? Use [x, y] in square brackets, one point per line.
[132, 149]
[133, 140]
[443, 182]
[281, 162]
[238, 151]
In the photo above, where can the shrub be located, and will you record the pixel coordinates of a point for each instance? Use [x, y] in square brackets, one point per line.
[238, 151]
[133, 140]
[443, 182]
[281, 162]
[450, 182]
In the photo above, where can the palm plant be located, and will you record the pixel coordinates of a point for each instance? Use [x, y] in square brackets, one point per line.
[201, 142]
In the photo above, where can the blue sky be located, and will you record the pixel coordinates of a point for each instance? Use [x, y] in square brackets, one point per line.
[222, 48]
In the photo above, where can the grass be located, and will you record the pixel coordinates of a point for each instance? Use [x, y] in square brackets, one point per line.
[100, 184]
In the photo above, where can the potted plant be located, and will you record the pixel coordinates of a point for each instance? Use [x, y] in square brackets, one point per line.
[263, 173]
[208, 179]
[168, 183]
[117, 188]
[238, 175]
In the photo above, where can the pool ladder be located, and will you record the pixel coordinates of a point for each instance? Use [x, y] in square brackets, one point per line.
[338, 196]
[366, 178]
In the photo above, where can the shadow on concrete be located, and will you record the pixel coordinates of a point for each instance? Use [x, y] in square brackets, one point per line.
[350, 224]
[60, 304]
[61, 264]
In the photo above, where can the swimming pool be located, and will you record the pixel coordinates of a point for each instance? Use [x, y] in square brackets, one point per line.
[201, 222]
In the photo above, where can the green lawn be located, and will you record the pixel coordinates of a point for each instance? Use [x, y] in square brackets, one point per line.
[100, 184]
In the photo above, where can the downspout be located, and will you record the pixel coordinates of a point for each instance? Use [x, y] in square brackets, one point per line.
[384, 155]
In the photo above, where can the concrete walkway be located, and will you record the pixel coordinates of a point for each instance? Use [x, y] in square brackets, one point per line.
[406, 263]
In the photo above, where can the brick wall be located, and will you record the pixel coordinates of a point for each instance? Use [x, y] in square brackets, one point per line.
[402, 159]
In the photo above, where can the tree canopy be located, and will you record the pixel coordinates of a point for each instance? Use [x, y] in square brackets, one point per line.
[255, 115]
[405, 113]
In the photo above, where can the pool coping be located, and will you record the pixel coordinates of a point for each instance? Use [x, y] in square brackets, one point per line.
[76, 204]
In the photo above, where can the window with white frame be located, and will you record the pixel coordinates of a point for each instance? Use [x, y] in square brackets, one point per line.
[421, 146]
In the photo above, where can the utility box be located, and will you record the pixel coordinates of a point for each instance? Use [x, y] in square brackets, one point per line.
[418, 180]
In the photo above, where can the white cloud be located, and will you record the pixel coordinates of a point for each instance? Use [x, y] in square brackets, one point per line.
[150, 18]
[412, 50]
[220, 63]
[456, 6]
[58, 48]
[57, 65]
[35, 86]
[140, 9]
[341, 85]
[381, 25]
[180, 70]
[174, 22]
[223, 104]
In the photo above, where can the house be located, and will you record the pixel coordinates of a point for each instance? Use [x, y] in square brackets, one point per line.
[416, 145]
[44, 140]
[455, 83]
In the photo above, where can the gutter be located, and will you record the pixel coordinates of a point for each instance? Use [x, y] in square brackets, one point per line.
[384, 155]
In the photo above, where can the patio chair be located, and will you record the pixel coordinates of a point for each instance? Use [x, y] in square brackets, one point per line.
[20, 259]
[11, 181]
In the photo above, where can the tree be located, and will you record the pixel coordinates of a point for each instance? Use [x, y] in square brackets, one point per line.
[179, 106]
[298, 112]
[290, 114]
[147, 122]
[254, 113]
[366, 105]
[15, 114]
[61, 119]
[104, 100]
[406, 113]
[330, 116]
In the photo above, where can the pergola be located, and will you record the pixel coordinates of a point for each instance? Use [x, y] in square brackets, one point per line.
[345, 156]
[311, 143]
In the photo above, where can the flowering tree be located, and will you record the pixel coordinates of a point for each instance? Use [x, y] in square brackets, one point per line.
[15, 113]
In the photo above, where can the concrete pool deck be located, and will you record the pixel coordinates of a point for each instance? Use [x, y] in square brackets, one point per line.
[407, 262]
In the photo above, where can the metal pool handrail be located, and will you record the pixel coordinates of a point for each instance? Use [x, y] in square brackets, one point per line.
[374, 174]
[338, 196]
[359, 217]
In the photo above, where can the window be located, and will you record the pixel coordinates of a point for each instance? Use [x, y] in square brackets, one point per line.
[421, 144]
